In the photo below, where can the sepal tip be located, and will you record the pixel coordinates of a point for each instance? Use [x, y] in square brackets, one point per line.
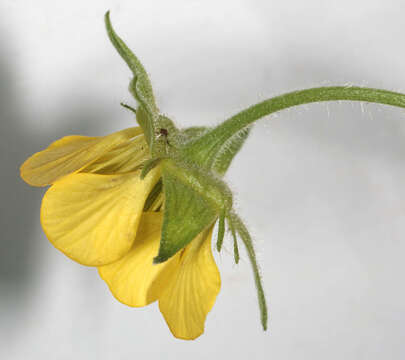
[159, 259]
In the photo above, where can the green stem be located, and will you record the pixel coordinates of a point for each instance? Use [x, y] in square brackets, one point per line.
[206, 147]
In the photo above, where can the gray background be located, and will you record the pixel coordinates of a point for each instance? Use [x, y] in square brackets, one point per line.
[320, 186]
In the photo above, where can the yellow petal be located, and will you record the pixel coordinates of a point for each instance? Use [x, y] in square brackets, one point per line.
[126, 157]
[93, 218]
[193, 290]
[134, 279]
[69, 155]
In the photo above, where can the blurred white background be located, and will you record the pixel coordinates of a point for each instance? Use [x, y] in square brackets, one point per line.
[320, 186]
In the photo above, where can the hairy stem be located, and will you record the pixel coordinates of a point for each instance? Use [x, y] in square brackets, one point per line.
[205, 148]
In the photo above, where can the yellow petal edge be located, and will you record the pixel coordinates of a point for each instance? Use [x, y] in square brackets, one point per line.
[92, 218]
[193, 289]
[134, 280]
[126, 157]
[70, 154]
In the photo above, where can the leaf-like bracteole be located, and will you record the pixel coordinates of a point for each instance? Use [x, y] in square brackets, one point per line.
[240, 227]
[226, 153]
[193, 202]
[235, 250]
[140, 86]
[235, 242]
[221, 231]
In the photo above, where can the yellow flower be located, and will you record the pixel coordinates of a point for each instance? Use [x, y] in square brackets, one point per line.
[99, 212]
[140, 204]
[186, 285]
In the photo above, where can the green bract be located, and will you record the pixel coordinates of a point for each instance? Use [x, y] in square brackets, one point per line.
[193, 161]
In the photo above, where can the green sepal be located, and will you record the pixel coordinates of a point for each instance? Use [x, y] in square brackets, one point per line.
[153, 195]
[221, 231]
[221, 161]
[140, 86]
[193, 133]
[216, 158]
[146, 123]
[148, 165]
[165, 143]
[168, 124]
[193, 201]
[187, 135]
